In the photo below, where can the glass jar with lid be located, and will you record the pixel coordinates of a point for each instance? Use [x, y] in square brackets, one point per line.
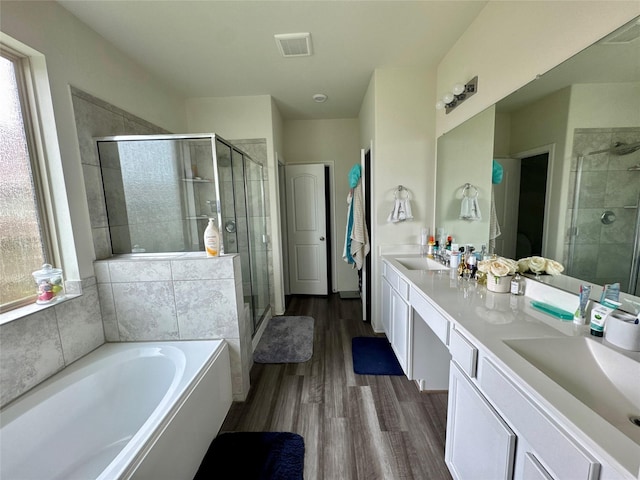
[49, 283]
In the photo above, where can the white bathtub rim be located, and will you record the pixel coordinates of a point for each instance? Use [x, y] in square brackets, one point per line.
[132, 466]
[149, 431]
[129, 469]
[139, 445]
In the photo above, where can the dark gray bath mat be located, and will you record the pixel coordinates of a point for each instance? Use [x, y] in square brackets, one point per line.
[287, 339]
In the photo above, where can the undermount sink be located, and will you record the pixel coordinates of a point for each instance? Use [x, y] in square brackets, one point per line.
[603, 379]
[420, 263]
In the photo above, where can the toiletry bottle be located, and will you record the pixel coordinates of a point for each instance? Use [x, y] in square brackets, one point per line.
[472, 263]
[212, 239]
[430, 246]
[462, 264]
[517, 284]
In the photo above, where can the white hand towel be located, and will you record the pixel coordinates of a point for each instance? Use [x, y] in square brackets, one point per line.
[470, 209]
[394, 216]
[401, 211]
[494, 226]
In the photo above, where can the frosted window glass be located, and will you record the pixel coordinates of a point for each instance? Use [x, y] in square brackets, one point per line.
[21, 250]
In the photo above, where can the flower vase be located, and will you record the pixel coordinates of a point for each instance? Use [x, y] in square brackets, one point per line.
[499, 284]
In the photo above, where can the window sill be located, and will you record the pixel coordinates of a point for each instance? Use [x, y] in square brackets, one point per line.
[21, 312]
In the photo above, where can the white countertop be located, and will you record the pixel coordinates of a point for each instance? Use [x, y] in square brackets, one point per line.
[488, 318]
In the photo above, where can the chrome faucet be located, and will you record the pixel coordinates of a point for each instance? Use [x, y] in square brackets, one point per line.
[444, 256]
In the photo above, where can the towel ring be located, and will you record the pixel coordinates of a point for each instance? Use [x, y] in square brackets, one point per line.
[469, 191]
[397, 194]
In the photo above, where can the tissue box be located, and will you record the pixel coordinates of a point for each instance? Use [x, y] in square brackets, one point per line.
[621, 331]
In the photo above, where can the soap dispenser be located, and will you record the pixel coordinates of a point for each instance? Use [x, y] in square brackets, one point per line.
[212, 239]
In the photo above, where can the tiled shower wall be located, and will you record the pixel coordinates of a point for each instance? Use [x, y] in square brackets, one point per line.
[95, 118]
[603, 252]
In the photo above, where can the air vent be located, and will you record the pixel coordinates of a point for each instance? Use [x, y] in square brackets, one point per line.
[626, 34]
[294, 44]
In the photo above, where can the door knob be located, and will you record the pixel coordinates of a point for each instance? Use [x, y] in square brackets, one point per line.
[322, 239]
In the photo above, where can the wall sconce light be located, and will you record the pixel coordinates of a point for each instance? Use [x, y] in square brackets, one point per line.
[459, 93]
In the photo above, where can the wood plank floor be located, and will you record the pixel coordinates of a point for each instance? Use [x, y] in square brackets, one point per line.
[354, 426]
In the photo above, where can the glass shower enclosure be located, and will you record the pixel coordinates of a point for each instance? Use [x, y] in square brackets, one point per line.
[160, 191]
[604, 238]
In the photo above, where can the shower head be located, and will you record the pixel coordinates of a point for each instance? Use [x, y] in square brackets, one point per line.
[621, 148]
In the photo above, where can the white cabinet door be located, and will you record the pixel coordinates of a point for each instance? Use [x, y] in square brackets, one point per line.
[400, 328]
[386, 309]
[533, 470]
[479, 443]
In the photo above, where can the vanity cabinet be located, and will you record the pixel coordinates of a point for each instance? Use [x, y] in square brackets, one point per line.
[479, 443]
[396, 316]
[548, 451]
[487, 412]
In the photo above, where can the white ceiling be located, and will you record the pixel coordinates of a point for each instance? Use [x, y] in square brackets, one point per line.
[212, 48]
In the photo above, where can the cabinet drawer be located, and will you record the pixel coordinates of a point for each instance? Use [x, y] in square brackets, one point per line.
[398, 283]
[463, 353]
[562, 457]
[430, 315]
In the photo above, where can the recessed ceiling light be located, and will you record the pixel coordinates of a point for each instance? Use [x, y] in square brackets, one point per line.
[320, 98]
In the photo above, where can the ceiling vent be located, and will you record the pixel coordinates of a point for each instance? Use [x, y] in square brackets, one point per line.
[294, 44]
[625, 34]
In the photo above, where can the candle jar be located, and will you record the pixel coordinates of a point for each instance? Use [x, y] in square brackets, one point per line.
[50, 284]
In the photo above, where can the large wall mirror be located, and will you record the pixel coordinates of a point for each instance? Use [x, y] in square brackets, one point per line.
[569, 146]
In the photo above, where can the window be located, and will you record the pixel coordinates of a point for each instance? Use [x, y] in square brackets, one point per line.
[23, 233]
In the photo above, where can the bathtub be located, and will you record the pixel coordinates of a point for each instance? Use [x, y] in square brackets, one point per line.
[126, 410]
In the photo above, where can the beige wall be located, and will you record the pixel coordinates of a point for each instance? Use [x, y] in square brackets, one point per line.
[77, 56]
[333, 142]
[605, 105]
[398, 116]
[243, 118]
[510, 43]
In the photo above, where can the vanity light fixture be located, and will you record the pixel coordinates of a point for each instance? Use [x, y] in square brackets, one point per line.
[459, 93]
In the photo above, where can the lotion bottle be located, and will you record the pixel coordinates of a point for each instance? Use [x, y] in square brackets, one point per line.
[212, 239]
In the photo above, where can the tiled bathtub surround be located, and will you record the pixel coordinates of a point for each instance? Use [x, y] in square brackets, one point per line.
[178, 297]
[34, 347]
[603, 252]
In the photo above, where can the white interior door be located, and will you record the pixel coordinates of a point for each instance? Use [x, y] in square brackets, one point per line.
[306, 224]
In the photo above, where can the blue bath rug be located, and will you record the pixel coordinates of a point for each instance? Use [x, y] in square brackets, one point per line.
[374, 356]
[254, 456]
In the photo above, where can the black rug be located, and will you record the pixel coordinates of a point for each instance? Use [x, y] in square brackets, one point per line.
[254, 456]
[374, 356]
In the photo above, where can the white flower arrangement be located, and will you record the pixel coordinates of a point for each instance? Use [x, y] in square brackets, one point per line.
[498, 267]
[540, 265]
